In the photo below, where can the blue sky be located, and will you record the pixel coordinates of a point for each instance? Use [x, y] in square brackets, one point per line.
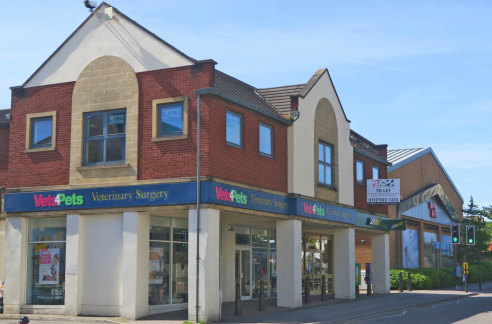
[408, 73]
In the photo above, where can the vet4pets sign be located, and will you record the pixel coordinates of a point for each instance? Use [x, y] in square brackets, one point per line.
[383, 191]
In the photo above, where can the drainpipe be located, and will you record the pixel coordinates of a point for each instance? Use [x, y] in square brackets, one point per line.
[198, 208]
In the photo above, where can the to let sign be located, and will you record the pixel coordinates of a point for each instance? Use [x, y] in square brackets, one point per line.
[383, 191]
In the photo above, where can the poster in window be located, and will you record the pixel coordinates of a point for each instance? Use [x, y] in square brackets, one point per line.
[49, 266]
[410, 248]
[430, 256]
[156, 255]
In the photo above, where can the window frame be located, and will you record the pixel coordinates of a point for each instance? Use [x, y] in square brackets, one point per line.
[261, 124]
[29, 131]
[105, 136]
[157, 104]
[240, 145]
[357, 163]
[326, 164]
[373, 169]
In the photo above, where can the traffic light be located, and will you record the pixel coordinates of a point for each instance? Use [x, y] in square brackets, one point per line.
[470, 234]
[455, 233]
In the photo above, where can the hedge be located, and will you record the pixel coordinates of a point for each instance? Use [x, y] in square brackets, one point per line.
[430, 278]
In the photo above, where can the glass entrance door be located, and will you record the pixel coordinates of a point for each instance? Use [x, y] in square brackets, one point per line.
[243, 272]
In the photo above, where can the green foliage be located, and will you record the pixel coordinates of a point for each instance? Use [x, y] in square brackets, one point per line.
[429, 278]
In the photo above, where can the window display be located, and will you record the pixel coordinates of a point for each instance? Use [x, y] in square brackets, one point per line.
[168, 261]
[46, 261]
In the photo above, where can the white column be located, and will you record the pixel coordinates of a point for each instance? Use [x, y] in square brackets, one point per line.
[227, 264]
[15, 266]
[135, 275]
[208, 265]
[289, 263]
[380, 264]
[73, 265]
[344, 261]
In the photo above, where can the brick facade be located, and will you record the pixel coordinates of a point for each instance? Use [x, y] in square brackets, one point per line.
[156, 160]
[46, 168]
[4, 155]
[360, 190]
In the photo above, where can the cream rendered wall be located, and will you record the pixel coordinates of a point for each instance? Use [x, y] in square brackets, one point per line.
[301, 145]
[102, 263]
[100, 37]
[2, 249]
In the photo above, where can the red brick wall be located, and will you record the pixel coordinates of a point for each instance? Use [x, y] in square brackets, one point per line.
[40, 168]
[157, 160]
[363, 250]
[4, 155]
[245, 164]
[360, 191]
[175, 158]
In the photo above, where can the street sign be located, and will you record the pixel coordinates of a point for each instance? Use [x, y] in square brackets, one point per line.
[437, 245]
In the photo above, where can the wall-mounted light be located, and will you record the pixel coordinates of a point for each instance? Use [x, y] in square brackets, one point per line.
[230, 228]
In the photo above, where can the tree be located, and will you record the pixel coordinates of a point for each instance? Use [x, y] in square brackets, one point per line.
[473, 215]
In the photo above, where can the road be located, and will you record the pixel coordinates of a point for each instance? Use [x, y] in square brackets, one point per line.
[473, 309]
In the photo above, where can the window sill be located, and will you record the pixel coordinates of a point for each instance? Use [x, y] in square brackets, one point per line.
[327, 186]
[169, 138]
[39, 149]
[107, 170]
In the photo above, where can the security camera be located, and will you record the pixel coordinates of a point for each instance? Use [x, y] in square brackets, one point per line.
[90, 4]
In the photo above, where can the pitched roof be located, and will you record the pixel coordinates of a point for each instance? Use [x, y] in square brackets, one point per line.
[279, 97]
[239, 89]
[365, 147]
[4, 117]
[401, 157]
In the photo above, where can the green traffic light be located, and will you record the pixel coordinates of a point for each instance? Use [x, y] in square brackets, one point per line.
[470, 241]
[455, 239]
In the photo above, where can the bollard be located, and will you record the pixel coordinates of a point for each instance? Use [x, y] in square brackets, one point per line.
[369, 289]
[409, 281]
[400, 283]
[261, 302]
[357, 291]
[237, 301]
[323, 287]
[307, 296]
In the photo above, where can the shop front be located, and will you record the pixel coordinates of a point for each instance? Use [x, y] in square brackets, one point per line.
[132, 251]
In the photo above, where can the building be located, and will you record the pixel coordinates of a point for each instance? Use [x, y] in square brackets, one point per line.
[370, 162]
[4, 159]
[105, 214]
[430, 203]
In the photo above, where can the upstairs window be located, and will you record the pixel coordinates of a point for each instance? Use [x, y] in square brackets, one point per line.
[40, 131]
[234, 129]
[170, 119]
[104, 137]
[359, 172]
[266, 140]
[375, 172]
[325, 166]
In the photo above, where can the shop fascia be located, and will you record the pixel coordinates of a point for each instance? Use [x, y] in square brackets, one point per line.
[211, 192]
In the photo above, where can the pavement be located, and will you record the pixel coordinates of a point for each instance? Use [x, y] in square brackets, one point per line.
[339, 310]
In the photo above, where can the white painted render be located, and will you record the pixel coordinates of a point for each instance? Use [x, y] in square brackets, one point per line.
[135, 285]
[73, 264]
[15, 271]
[289, 265]
[102, 264]
[100, 36]
[301, 145]
[344, 256]
[208, 266]
[227, 264]
[380, 264]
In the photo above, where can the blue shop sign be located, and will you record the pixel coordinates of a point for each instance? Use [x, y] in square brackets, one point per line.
[175, 194]
[129, 196]
[218, 193]
[316, 209]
